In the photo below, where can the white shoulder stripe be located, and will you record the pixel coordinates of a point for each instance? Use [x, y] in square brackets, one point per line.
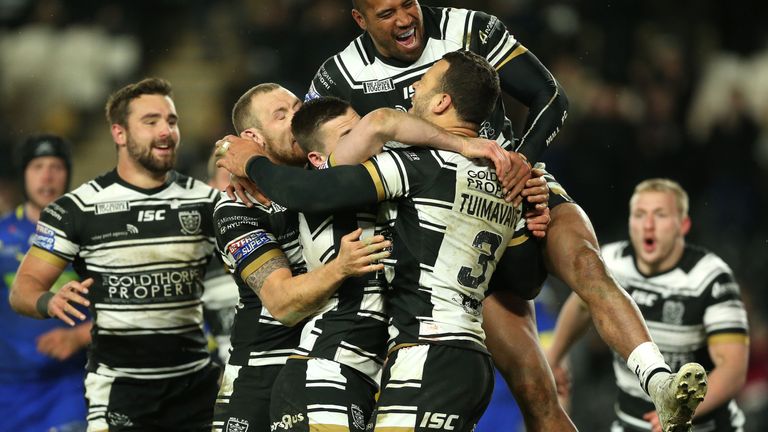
[345, 73]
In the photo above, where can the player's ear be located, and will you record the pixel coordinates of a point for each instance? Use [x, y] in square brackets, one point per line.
[441, 103]
[316, 158]
[119, 134]
[253, 134]
[685, 226]
[359, 19]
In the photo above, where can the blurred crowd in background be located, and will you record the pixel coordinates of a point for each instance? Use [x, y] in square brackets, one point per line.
[656, 88]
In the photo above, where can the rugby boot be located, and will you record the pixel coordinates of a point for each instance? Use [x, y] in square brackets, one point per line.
[677, 395]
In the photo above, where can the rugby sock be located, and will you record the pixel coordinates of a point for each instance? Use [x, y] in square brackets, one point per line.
[646, 362]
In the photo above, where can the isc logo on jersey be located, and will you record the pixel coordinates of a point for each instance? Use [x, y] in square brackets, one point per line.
[644, 298]
[151, 215]
[243, 246]
[439, 421]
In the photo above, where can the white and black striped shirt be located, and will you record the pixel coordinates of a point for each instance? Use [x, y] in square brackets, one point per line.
[146, 251]
[452, 228]
[247, 238]
[686, 308]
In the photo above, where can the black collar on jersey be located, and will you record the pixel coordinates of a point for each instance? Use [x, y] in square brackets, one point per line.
[431, 17]
[114, 177]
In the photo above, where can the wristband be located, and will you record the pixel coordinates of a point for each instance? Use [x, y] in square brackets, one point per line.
[42, 304]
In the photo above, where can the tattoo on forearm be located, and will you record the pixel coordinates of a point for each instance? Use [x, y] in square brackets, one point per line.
[256, 279]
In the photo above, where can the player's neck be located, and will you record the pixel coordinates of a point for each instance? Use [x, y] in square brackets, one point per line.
[462, 131]
[133, 173]
[449, 121]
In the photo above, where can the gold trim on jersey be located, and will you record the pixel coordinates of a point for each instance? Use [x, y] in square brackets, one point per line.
[517, 241]
[516, 52]
[376, 179]
[48, 257]
[258, 262]
[728, 338]
[402, 345]
[299, 357]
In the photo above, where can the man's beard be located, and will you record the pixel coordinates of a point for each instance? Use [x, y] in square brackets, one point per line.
[283, 156]
[148, 161]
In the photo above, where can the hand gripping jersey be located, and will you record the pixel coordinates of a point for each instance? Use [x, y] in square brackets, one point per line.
[146, 250]
[369, 81]
[686, 307]
[351, 328]
[247, 238]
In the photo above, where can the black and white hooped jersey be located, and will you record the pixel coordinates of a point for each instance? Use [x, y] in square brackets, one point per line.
[247, 238]
[452, 228]
[351, 328]
[368, 81]
[146, 250]
[694, 304]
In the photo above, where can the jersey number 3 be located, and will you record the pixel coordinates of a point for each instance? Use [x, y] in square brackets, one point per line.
[487, 243]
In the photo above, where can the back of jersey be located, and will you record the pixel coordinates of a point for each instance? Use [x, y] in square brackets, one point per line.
[452, 228]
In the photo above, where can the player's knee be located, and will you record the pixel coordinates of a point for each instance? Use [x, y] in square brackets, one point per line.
[587, 263]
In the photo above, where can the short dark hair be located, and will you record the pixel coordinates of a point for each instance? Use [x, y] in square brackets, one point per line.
[313, 114]
[473, 85]
[117, 104]
[242, 116]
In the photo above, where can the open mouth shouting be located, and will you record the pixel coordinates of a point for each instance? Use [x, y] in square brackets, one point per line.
[649, 244]
[407, 38]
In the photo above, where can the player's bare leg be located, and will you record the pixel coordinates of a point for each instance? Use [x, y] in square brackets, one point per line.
[573, 255]
[510, 326]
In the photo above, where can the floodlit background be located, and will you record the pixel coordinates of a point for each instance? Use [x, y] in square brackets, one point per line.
[656, 87]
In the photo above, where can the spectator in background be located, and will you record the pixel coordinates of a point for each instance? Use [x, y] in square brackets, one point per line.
[41, 362]
[689, 299]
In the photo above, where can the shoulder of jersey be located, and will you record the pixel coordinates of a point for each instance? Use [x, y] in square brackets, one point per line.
[699, 259]
[7, 219]
[225, 203]
[616, 250]
[198, 187]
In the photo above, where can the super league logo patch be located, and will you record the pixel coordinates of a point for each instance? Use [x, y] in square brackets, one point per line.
[45, 238]
[190, 221]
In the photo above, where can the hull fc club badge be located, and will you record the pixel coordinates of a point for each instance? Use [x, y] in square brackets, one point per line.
[190, 221]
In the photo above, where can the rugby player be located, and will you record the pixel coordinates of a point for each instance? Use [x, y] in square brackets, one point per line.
[139, 237]
[261, 248]
[401, 40]
[435, 313]
[691, 302]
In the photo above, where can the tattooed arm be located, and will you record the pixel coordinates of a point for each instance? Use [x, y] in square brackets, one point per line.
[290, 299]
